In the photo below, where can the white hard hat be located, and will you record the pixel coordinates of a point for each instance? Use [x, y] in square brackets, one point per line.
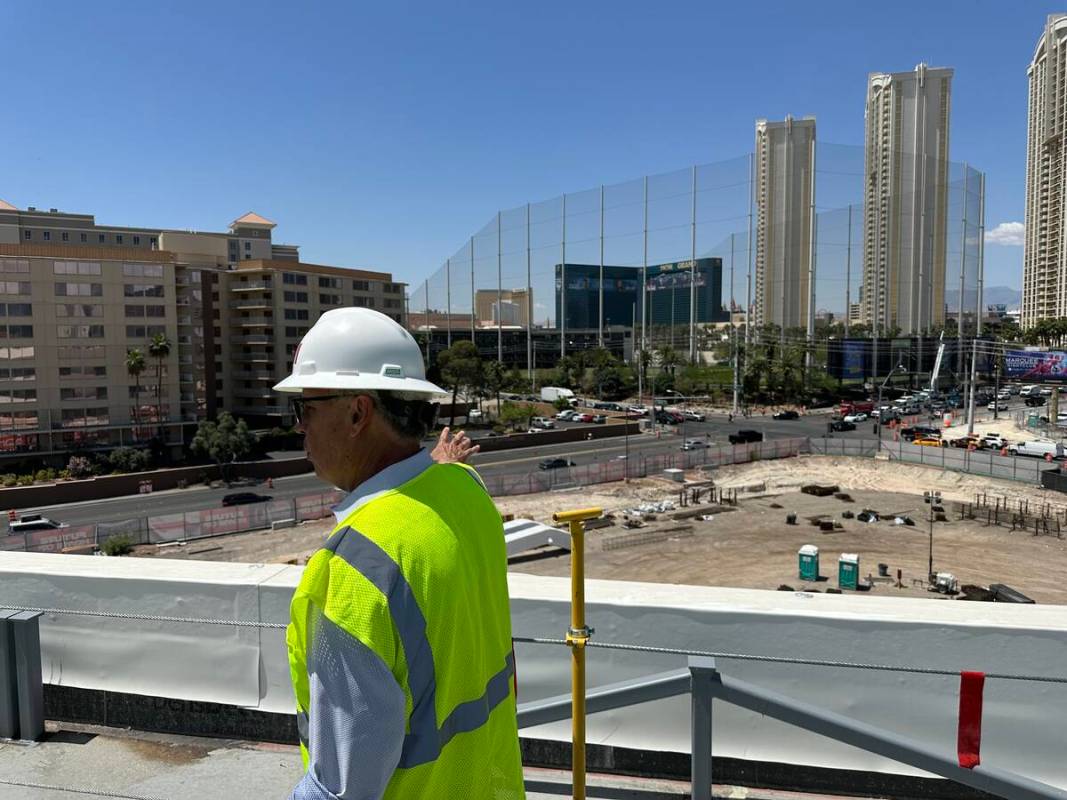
[357, 348]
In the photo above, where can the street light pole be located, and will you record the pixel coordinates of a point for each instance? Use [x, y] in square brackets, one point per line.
[881, 386]
[932, 499]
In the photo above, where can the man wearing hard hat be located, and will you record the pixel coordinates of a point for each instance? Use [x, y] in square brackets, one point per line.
[400, 638]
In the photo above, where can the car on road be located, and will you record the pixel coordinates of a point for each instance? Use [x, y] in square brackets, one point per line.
[582, 418]
[693, 416]
[995, 441]
[928, 441]
[565, 415]
[639, 410]
[788, 414]
[995, 406]
[1003, 394]
[1033, 400]
[840, 425]
[241, 498]
[919, 432]
[1045, 391]
[542, 422]
[694, 444]
[966, 442]
[599, 419]
[1037, 448]
[859, 417]
[669, 417]
[34, 522]
[555, 463]
[746, 437]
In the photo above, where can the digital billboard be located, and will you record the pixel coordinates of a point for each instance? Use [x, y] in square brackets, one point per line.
[1036, 365]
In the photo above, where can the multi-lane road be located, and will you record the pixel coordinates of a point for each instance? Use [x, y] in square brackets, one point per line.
[504, 462]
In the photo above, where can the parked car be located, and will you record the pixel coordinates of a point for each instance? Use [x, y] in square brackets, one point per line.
[241, 498]
[669, 418]
[639, 410]
[600, 419]
[542, 422]
[694, 444]
[919, 432]
[964, 442]
[34, 522]
[555, 463]
[745, 437]
[860, 417]
[565, 415]
[995, 406]
[693, 416]
[995, 440]
[1033, 400]
[787, 415]
[840, 425]
[1038, 449]
[928, 441]
[1046, 391]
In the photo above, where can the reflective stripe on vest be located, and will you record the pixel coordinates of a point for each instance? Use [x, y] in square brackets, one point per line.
[425, 740]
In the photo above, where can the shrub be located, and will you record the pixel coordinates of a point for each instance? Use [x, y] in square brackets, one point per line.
[24, 480]
[129, 459]
[80, 467]
[118, 545]
[9, 480]
[41, 475]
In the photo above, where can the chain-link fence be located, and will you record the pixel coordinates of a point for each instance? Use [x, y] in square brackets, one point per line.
[180, 527]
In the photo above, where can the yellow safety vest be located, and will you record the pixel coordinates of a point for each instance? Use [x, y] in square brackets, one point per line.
[418, 575]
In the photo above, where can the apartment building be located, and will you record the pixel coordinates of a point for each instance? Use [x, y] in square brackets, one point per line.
[1044, 246]
[906, 203]
[504, 307]
[232, 306]
[785, 199]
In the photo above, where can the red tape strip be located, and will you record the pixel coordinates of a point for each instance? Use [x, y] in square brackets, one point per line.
[969, 738]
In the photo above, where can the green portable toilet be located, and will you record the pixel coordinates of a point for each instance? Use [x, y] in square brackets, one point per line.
[848, 571]
[809, 562]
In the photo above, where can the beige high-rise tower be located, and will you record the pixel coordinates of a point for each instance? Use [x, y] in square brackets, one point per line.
[1044, 249]
[905, 222]
[785, 161]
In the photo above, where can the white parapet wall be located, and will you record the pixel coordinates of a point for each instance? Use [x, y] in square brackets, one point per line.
[247, 666]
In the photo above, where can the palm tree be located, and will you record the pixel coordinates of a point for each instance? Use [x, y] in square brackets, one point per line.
[135, 365]
[159, 349]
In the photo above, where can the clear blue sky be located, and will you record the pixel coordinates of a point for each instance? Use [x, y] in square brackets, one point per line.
[383, 134]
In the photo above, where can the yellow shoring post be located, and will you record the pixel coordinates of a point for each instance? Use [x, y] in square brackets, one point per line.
[577, 636]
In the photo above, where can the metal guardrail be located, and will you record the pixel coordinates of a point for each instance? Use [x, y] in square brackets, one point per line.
[704, 683]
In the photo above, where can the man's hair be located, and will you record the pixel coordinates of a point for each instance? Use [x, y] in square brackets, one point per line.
[410, 416]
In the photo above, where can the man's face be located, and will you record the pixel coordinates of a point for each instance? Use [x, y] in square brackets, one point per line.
[327, 428]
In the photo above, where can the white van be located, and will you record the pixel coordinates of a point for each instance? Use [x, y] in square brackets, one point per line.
[1037, 449]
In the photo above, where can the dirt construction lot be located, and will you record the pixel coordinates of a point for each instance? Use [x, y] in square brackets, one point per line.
[753, 546]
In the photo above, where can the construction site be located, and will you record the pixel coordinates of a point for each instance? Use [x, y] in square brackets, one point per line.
[745, 525]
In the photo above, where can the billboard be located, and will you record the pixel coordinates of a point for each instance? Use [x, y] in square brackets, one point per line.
[1036, 365]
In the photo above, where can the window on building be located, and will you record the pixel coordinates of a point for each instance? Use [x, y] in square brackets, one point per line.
[15, 287]
[154, 242]
[82, 371]
[16, 331]
[144, 331]
[76, 310]
[47, 236]
[296, 313]
[363, 302]
[76, 268]
[142, 290]
[84, 238]
[18, 395]
[248, 247]
[65, 236]
[361, 286]
[142, 270]
[294, 279]
[118, 238]
[329, 283]
[85, 352]
[136, 239]
[101, 238]
[330, 299]
[18, 373]
[134, 311]
[392, 302]
[295, 297]
[155, 311]
[80, 331]
[79, 290]
[294, 332]
[27, 235]
[15, 265]
[83, 393]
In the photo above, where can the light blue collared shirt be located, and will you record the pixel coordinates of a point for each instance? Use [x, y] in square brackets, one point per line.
[389, 478]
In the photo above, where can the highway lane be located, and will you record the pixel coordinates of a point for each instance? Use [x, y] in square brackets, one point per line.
[518, 461]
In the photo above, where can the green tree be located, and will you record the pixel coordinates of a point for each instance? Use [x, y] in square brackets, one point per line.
[496, 377]
[517, 415]
[159, 349]
[129, 459]
[135, 365]
[223, 441]
[461, 369]
[669, 359]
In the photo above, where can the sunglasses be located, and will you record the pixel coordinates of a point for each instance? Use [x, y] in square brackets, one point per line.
[299, 403]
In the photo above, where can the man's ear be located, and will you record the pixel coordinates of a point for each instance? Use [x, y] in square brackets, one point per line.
[359, 411]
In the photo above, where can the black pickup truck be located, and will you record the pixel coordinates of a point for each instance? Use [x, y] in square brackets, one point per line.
[746, 437]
